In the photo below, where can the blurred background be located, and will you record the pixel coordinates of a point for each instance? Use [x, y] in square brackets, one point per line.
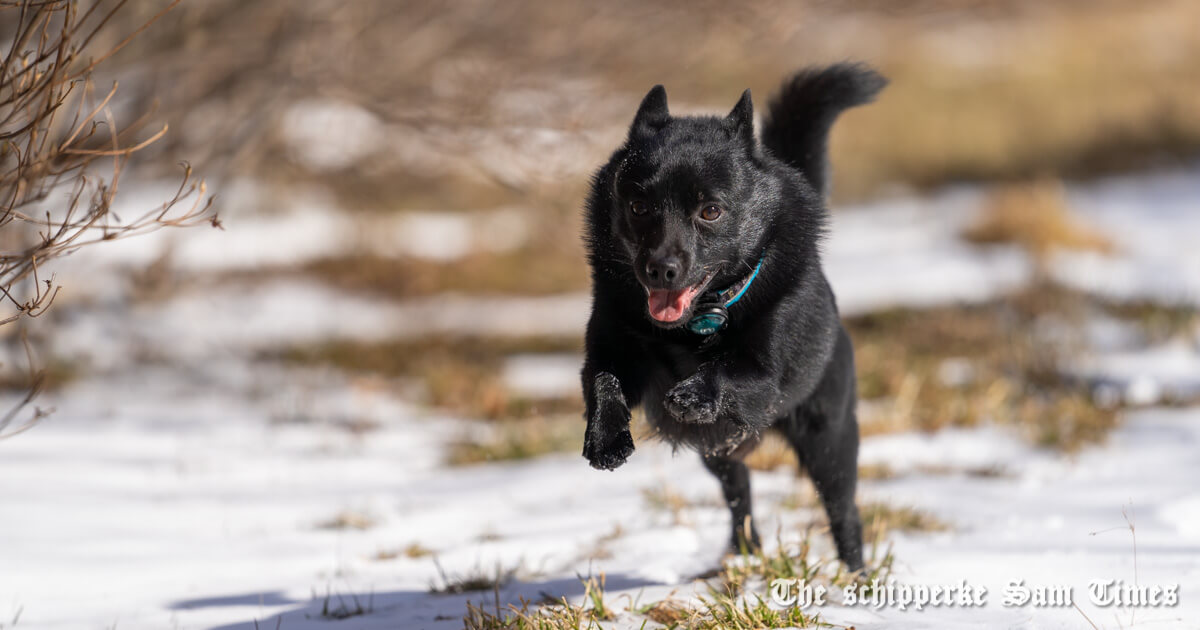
[396, 291]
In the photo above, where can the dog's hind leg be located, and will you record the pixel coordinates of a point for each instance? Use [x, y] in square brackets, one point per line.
[824, 433]
[734, 476]
[829, 457]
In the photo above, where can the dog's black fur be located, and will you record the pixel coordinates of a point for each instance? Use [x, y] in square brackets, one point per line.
[784, 360]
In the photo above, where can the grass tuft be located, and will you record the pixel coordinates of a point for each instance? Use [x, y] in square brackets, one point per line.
[336, 607]
[413, 551]
[880, 518]
[476, 579]
[349, 519]
[1035, 216]
[722, 611]
[555, 615]
[669, 612]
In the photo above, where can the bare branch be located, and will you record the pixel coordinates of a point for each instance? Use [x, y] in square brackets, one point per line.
[47, 71]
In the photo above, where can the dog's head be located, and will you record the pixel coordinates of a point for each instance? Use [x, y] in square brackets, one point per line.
[688, 203]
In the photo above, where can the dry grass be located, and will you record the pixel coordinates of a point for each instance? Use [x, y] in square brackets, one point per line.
[368, 191]
[349, 519]
[879, 519]
[517, 440]
[875, 472]
[475, 579]
[336, 607]
[462, 374]
[918, 370]
[1064, 89]
[772, 453]
[671, 613]
[1002, 372]
[1036, 217]
[797, 561]
[736, 597]
[803, 497]
[991, 90]
[557, 614]
[666, 499]
[1159, 322]
[721, 611]
[50, 375]
[412, 551]
[534, 270]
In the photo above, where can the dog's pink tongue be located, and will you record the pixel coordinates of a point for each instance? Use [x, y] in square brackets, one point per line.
[669, 306]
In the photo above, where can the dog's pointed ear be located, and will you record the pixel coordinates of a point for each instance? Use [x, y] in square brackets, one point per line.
[652, 114]
[741, 119]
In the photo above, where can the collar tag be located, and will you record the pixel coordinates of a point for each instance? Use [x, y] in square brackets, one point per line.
[710, 321]
[711, 317]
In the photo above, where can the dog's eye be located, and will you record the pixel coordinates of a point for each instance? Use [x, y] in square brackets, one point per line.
[711, 212]
[638, 207]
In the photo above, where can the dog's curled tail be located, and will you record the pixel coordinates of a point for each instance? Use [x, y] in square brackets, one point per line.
[796, 129]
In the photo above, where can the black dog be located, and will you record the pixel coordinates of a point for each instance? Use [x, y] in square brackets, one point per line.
[710, 307]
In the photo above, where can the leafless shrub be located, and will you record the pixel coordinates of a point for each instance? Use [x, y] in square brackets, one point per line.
[62, 152]
[54, 134]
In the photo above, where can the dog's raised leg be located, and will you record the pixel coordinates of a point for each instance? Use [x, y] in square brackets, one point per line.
[607, 442]
[734, 476]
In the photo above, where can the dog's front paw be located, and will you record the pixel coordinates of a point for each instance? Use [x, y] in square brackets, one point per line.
[607, 450]
[693, 401]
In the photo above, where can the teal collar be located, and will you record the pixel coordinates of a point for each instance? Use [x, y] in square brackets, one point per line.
[711, 316]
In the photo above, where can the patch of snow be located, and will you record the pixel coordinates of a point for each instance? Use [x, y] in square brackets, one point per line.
[445, 236]
[1152, 221]
[543, 375]
[985, 448]
[1146, 376]
[434, 235]
[147, 502]
[240, 318]
[1106, 334]
[907, 252]
[330, 134]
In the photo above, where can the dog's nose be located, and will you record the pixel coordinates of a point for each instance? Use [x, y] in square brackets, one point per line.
[663, 271]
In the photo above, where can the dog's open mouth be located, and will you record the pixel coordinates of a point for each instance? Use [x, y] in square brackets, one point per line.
[668, 306]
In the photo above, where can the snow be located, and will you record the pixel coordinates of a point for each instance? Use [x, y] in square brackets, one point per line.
[925, 261]
[330, 134]
[244, 318]
[983, 449]
[1153, 220]
[184, 482]
[1170, 371]
[175, 508]
[445, 236]
[542, 375]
